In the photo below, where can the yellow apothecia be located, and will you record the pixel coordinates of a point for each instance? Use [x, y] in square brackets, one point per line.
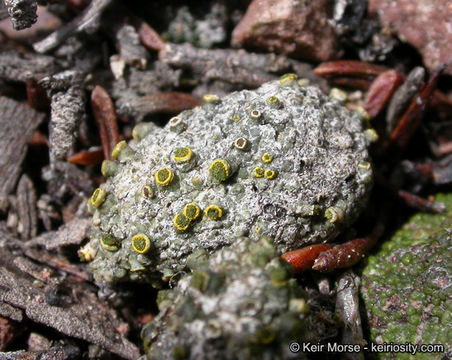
[266, 158]
[258, 172]
[220, 170]
[236, 118]
[270, 174]
[98, 197]
[183, 155]
[181, 222]
[164, 176]
[272, 100]
[118, 148]
[213, 212]
[192, 211]
[141, 243]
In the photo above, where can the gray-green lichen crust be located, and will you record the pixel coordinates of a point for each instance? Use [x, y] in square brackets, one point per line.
[407, 286]
[241, 303]
[284, 161]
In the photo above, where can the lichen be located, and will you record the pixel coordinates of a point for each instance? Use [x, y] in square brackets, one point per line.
[407, 286]
[214, 212]
[241, 303]
[257, 162]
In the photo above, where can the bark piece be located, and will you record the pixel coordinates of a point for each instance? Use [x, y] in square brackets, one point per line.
[88, 21]
[71, 233]
[59, 352]
[105, 116]
[294, 28]
[10, 312]
[26, 208]
[202, 60]
[15, 66]
[67, 110]
[79, 313]
[402, 97]
[130, 48]
[17, 123]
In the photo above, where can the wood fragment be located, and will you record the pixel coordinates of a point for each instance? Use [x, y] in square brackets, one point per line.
[105, 116]
[58, 352]
[403, 96]
[347, 254]
[19, 66]
[349, 68]
[203, 61]
[419, 203]
[381, 91]
[167, 103]
[148, 36]
[71, 233]
[303, 259]
[10, 312]
[412, 118]
[87, 158]
[57, 262]
[88, 21]
[67, 110]
[26, 208]
[343, 255]
[351, 82]
[130, 49]
[88, 318]
[18, 123]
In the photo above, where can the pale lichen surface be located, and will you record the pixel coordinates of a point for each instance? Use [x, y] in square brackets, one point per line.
[313, 153]
[241, 303]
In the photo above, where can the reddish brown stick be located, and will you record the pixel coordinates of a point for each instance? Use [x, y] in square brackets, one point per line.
[349, 68]
[148, 36]
[303, 259]
[346, 254]
[105, 115]
[351, 82]
[381, 91]
[167, 102]
[87, 158]
[419, 203]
